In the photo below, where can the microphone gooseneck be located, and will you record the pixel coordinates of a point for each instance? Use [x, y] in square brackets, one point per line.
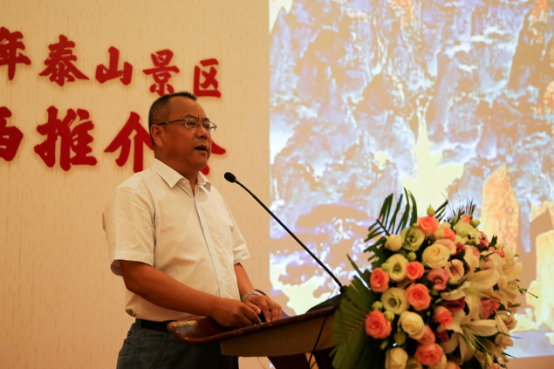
[233, 179]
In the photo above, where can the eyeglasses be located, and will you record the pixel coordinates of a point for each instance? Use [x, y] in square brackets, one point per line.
[192, 123]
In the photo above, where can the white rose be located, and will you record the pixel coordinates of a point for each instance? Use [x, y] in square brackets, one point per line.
[412, 324]
[412, 241]
[435, 256]
[394, 242]
[445, 225]
[396, 359]
[413, 364]
[394, 299]
[397, 267]
[471, 231]
[461, 226]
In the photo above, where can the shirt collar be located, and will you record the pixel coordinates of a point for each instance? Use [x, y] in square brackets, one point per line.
[172, 177]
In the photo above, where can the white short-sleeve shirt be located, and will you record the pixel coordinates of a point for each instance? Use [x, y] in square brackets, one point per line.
[154, 218]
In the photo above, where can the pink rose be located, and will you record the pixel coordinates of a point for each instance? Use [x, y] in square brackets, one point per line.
[451, 365]
[428, 225]
[379, 280]
[489, 307]
[418, 296]
[428, 337]
[443, 316]
[484, 241]
[449, 234]
[442, 334]
[376, 325]
[455, 305]
[456, 269]
[474, 250]
[414, 270]
[451, 246]
[439, 276]
[466, 219]
[429, 354]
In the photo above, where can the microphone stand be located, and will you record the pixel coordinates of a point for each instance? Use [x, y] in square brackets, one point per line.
[334, 301]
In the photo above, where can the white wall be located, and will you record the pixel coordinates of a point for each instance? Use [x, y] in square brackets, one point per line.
[60, 306]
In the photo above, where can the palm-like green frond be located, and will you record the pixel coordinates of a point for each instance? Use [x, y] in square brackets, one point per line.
[349, 334]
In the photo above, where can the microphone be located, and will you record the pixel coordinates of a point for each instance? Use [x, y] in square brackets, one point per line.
[334, 301]
[231, 178]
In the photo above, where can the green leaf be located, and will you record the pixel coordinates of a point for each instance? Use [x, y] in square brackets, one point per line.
[439, 213]
[357, 269]
[393, 219]
[347, 353]
[360, 295]
[414, 208]
[385, 209]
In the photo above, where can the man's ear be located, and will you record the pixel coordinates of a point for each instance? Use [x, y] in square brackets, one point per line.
[156, 132]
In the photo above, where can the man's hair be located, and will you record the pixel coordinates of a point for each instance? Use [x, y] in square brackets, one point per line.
[159, 111]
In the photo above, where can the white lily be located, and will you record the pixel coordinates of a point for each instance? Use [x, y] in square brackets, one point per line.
[471, 260]
[473, 288]
[464, 334]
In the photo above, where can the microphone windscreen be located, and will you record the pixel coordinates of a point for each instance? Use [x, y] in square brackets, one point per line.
[230, 177]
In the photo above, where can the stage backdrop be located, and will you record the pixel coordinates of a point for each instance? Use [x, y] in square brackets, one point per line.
[448, 99]
[76, 82]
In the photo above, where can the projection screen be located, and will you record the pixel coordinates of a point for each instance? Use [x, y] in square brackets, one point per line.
[448, 99]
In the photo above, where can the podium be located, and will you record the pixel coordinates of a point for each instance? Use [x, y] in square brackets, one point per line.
[285, 342]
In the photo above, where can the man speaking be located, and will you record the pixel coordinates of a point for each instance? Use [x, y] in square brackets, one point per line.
[175, 243]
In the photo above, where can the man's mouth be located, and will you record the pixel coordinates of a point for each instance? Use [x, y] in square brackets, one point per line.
[202, 148]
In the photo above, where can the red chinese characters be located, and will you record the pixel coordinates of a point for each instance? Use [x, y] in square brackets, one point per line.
[123, 141]
[104, 74]
[74, 138]
[209, 85]
[10, 45]
[217, 150]
[59, 64]
[162, 72]
[10, 137]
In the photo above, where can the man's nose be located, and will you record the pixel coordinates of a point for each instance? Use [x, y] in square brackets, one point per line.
[202, 132]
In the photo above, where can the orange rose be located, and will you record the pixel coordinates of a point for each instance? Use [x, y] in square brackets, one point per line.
[428, 337]
[376, 325]
[379, 280]
[428, 225]
[429, 354]
[449, 234]
[443, 316]
[466, 218]
[414, 270]
[418, 296]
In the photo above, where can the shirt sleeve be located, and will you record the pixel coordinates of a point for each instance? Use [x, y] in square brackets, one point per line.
[240, 250]
[129, 226]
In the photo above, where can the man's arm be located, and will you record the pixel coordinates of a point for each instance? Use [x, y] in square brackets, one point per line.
[271, 310]
[157, 287]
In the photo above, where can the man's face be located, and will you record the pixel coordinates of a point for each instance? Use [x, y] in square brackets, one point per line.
[185, 150]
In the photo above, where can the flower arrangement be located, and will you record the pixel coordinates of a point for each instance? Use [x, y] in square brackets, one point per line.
[439, 295]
